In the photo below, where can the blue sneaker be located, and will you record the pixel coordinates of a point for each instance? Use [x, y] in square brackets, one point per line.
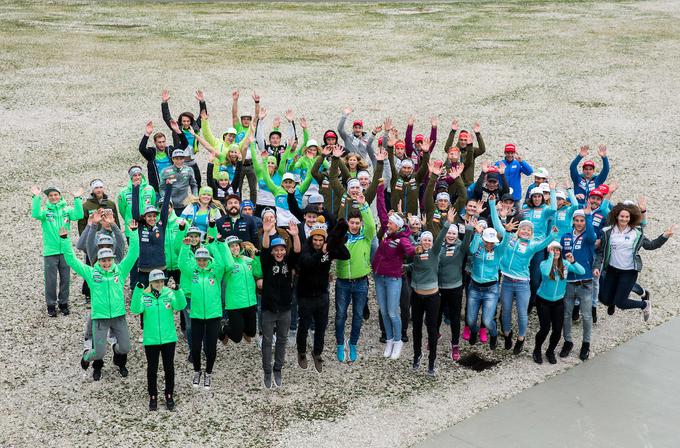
[341, 352]
[352, 353]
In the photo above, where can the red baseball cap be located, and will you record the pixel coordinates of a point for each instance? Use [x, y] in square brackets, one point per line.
[492, 169]
[400, 144]
[510, 148]
[597, 192]
[419, 138]
[463, 132]
[589, 163]
[604, 188]
[358, 123]
[330, 134]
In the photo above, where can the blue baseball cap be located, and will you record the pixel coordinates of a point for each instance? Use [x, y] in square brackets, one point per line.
[277, 242]
[247, 203]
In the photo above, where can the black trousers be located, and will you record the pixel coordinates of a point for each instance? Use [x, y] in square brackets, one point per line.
[208, 329]
[312, 310]
[451, 301]
[86, 288]
[240, 321]
[167, 352]
[615, 287]
[248, 172]
[550, 315]
[427, 306]
[197, 174]
[404, 309]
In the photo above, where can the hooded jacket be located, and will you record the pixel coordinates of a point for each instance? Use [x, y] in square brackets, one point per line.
[391, 252]
[147, 196]
[53, 217]
[240, 275]
[106, 287]
[359, 247]
[91, 205]
[205, 287]
[158, 309]
[277, 278]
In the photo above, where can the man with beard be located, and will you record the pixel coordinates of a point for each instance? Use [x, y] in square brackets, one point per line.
[237, 224]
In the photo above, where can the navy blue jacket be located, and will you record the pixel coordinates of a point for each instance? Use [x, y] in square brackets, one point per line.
[151, 239]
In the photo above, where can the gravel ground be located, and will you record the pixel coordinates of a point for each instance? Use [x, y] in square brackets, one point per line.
[80, 80]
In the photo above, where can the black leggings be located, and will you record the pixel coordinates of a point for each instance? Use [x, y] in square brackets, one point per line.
[208, 328]
[451, 300]
[241, 321]
[550, 314]
[427, 305]
[167, 352]
[616, 286]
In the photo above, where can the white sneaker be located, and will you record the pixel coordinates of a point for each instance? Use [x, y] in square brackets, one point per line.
[273, 339]
[87, 345]
[388, 348]
[396, 350]
[259, 342]
[647, 312]
[112, 340]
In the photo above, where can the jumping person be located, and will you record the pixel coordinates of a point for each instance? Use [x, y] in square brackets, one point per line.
[183, 178]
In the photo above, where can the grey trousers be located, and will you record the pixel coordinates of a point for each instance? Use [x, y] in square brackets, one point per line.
[248, 172]
[584, 295]
[280, 321]
[100, 329]
[55, 265]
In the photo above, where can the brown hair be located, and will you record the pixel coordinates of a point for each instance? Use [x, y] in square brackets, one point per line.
[158, 135]
[559, 268]
[361, 163]
[635, 214]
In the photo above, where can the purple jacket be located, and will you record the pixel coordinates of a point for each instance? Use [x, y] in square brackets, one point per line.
[391, 252]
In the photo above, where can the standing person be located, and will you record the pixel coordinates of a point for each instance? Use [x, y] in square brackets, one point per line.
[425, 298]
[158, 304]
[182, 177]
[550, 302]
[147, 196]
[158, 157]
[465, 144]
[351, 285]
[201, 211]
[387, 272]
[205, 274]
[152, 225]
[414, 146]
[359, 142]
[566, 205]
[541, 176]
[618, 263]
[316, 258]
[54, 217]
[242, 124]
[515, 167]
[277, 278]
[586, 181]
[347, 195]
[580, 242]
[220, 182]
[236, 223]
[106, 280]
[517, 252]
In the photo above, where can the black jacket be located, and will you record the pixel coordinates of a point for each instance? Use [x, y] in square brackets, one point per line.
[221, 194]
[151, 239]
[244, 227]
[277, 279]
[149, 153]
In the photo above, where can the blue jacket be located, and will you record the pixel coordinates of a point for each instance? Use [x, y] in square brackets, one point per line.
[564, 215]
[540, 216]
[484, 263]
[151, 239]
[553, 290]
[600, 217]
[513, 174]
[583, 186]
[582, 246]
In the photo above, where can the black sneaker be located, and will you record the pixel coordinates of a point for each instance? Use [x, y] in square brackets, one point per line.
[585, 351]
[267, 380]
[538, 359]
[473, 337]
[550, 354]
[197, 379]
[493, 342]
[153, 404]
[318, 363]
[278, 380]
[576, 313]
[97, 374]
[367, 312]
[302, 361]
[404, 337]
[52, 311]
[519, 345]
[169, 403]
[416, 362]
[594, 314]
[64, 310]
[383, 339]
[84, 364]
[611, 309]
[123, 371]
[566, 349]
[508, 341]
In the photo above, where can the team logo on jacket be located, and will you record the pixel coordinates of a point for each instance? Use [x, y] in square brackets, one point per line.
[212, 282]
[115, 279]
[167, 305]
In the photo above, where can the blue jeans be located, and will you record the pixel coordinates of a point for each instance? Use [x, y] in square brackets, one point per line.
[485, 298]
[388, 293]
[356, 293]
[521, 292]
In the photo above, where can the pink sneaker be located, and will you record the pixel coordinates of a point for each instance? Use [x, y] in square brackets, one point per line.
[466, 333]
[455, 353]
[483, 337]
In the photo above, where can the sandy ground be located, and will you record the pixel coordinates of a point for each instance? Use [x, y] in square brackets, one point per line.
[79, 81]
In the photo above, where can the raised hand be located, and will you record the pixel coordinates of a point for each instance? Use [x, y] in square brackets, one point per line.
[587, 209]
[347, 110]
[377, 129]
[434, 121]
[211, 157]
[451, 215]
[454, 125]
[277, 122]
[583, 151]
[262, 114]
[293, 229]
[200, 97]
[328, 150]
[434, 168]
[165, 96]
[387, 125]
[268, 223]
[613, 186]
[602, 151]
[552, 185]
[360, 198]
[480, 207]
[476, 127]
[234, 95]
[149, 128]
[669, 231]
[186, 241]
[175, 127]
[78, 193]
[337, 151]
[511, 225]
[502, 167]
[97, 216]
[289, 115]
[411, 120]
[485, 166]
[381, 155]
[303, 122]
[204, 114]
[35, 190]
[570, 257]
[426, 145]
[642, 203]
[256, 97]
[457, 170]
[133, 225]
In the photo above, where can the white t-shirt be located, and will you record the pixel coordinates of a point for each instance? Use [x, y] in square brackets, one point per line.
[621, 243]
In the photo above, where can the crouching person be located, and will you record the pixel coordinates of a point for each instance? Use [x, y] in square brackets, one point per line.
[158, 304]
[106, 280]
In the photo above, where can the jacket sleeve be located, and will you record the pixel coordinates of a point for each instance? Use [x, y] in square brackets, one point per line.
[481, 149]
[449, 140]
[90, 242]
[166, 204]
[546, 265]
[167, 117]
[573, 170]
[344, 171]
[333, 177]
[294, 207]
[576, 268]
[467, 239]
[147, 153]
[136, 306]
[407, 246]
[79, 267]
[316, 170]
[135, 203]
[433, 138]
[192, 183]
[408, 140]
[119, 245]
[536, 247]
[477, 191]
[209, 136]
[186, 260]
[76, 212]
[369, 222]
[525, 168]
[423, 169]
[342, 133]
[602, 177]
[429, 199]
[122, 206]
[440, 236]
[654, 244]
[37, 211]
[373, 187]
[128, 262]
[381, 206]
[497, 224]
[474, 245]
[179, 300]
[458, 190]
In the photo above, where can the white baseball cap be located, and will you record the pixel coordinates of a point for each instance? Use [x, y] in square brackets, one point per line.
[541, 172]
[490, 235]
[156, 274]
[288, 176]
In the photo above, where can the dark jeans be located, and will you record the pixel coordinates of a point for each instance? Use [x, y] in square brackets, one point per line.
[167, 352]
[428, 306]
[312, 310]
[404, 309]
[616, 286]
[451, 300]
[294, 305]
[208, 328]
[550, 314]
[241, 321]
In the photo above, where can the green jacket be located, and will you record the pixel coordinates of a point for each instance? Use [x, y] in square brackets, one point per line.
[359, 246]
[173, 240]
[240, 278]
[206, 284]
[346, 202]
[147, 196]
[53, 217]
[407, 190]
[106, 287]
[159, 313]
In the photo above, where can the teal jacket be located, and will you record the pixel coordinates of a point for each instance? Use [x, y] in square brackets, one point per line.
[52, 218]
[159, 313]
[553, 290]
[565, 215]
[541, 217]
[484, 263]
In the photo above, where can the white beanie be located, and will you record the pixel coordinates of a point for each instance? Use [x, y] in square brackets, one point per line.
[426, 234]
[396, 220]
[353, 183]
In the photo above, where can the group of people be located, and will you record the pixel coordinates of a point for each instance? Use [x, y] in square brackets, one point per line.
[429, 235]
